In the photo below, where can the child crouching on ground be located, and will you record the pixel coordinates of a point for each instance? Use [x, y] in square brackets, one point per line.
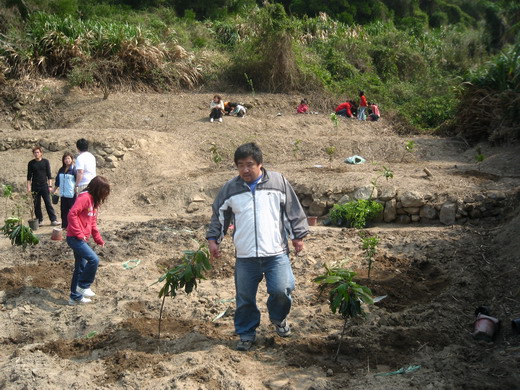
[303, 108]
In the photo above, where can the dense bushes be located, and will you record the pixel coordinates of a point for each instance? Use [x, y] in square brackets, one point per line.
[400, 63]
[490, 103]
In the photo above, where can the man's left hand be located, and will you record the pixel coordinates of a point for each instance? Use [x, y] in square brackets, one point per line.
[298, 245]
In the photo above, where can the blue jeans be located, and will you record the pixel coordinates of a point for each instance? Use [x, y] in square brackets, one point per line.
[279, 277]
[361, 113]
[85, 266]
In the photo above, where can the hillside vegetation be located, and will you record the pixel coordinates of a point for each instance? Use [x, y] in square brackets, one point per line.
[410, 56]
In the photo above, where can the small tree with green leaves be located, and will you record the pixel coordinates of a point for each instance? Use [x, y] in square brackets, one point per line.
[193, 265]
[331, 151]
[387, 173]
[369, 245]
[335, 119]
[7, 192]
[345, 295]
[409, 149]
[216, 155]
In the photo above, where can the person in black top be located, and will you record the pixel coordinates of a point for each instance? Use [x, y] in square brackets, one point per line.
[39, 183]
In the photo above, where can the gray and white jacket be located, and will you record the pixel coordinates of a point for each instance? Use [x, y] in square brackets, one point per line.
[263, 219]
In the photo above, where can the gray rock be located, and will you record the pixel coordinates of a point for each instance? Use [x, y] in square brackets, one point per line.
[475, 213]
[109, 150]
[428, 212]
[448, 213]
[400, 211]
[192, 207]
[415, 218]
[403, 219]
[118, 153]
[390, 211]
[306, 202]
[412, 199]
[387, 193]
[110, 158]
[412, 210]
[364, 193]
[318, 208]
[100, 152]
[344, 199]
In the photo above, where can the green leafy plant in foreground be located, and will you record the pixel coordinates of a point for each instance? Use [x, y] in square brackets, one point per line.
[356, 213]
[193, 265]
[345, 295]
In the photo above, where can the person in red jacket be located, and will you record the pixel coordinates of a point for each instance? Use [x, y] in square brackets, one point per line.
[82, 223]
[344, 109]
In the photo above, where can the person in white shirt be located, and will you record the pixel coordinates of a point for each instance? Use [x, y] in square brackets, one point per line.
[217, 108]
[85, 165]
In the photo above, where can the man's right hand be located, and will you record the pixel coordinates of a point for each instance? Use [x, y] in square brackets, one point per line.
[213, 249]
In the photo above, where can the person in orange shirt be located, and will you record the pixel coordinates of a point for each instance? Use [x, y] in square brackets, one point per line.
[362, 106]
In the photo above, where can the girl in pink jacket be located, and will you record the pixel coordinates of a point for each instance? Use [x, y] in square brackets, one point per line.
[82, 223]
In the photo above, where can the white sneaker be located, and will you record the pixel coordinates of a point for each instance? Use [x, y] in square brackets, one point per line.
[86, 292]
[81, 301]
[220, 120]
[211, 120]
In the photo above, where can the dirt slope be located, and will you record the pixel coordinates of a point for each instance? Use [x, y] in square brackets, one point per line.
[434, 275]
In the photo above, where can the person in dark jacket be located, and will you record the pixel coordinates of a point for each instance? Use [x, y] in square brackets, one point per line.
[266, 213]
[39, 183]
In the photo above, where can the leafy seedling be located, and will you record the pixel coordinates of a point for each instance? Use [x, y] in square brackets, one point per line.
[387, 173]
[331, 151]
[369, 245]
[216, 156]
[409, 148]
[479, 157]
[345, 295]
[335, 119]
[297, 147]
[193, 265]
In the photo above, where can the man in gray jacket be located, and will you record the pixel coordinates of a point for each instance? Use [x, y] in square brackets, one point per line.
[265, 212]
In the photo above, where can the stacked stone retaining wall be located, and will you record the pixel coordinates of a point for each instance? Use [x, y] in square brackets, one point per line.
[404, 206]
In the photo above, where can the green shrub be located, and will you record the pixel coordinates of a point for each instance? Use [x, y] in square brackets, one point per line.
[356, 213]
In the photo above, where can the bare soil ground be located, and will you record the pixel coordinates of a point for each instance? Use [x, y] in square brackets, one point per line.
[434, 275]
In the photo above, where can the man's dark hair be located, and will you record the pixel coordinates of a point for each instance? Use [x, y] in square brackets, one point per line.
[82, 145]
[249, 149]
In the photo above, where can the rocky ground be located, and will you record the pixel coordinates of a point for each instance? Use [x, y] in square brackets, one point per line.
[158, 151]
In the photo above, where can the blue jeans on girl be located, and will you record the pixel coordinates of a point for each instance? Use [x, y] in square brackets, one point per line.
[85, 266]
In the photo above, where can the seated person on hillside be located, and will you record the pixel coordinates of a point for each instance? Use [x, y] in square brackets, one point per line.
[303, 108]
[217, 108]
[344, 109]
[373, 110]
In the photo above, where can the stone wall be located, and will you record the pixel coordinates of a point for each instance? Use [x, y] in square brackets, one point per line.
[404, 207]
[108, 153]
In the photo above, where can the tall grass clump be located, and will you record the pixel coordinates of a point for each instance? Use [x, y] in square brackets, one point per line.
[490, 103]
[102, 52]
[269, 56]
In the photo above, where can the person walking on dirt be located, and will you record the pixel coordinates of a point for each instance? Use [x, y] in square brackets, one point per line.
[65, 186]
[362, 106]
[217, 108]
[265, 210]
[85, 165]
[83, 224]
[39, 184]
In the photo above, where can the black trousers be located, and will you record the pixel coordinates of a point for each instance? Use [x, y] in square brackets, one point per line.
[38, 194]
[215, 113]
[65, 206]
